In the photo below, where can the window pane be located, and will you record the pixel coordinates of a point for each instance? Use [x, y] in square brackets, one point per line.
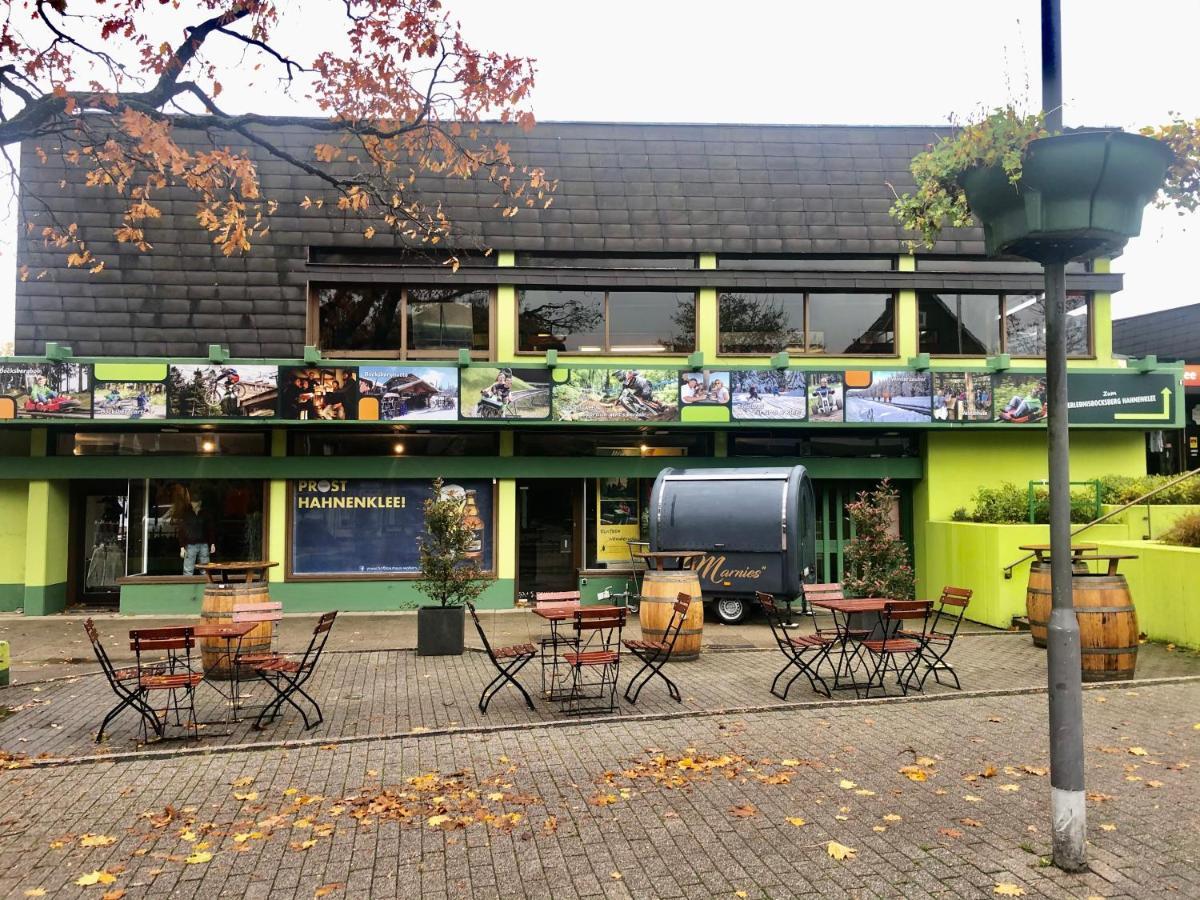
[761, 263]
[561, 320]
[754, 322]
[164, 443]
[448, 319]
[192, 516]
[1025, 325]
[410, 443]
[851, 323]
[359, 317]
[651, 321]
[966, 324]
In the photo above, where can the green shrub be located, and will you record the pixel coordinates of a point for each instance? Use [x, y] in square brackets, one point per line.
[877, 564]
[1008, 504]
[1121, 489]
[1185, 532]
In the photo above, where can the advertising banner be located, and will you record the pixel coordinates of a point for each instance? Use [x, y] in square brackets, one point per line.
[625, 395]
[617, 517]
[1100, 399]
[370, 527]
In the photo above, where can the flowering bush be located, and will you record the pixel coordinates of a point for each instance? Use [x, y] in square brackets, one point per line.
[877, 564]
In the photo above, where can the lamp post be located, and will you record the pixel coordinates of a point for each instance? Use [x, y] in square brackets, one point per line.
[1067, 796]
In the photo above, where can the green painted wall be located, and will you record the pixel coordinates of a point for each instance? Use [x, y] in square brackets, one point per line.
[302, 596]
[46, 548]
[1151, 521]
[14, 502]
[1163, 584]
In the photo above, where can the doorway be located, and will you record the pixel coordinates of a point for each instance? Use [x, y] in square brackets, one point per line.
[548, 534]
[99, 539]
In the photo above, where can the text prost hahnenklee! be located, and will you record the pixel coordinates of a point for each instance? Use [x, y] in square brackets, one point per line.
[331, 494]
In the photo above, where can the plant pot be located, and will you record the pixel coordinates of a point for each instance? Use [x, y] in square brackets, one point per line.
[440, 630]
[1081, 195]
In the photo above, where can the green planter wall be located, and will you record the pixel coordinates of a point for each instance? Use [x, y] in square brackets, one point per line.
[1081, 195]
[1164, 582]
[1152, 520]
[973, 555]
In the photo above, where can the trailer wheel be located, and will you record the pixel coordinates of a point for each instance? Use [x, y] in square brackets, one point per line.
[730, 610]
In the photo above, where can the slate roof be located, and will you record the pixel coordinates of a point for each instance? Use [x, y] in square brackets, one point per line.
[624, 188]
[1171, 334]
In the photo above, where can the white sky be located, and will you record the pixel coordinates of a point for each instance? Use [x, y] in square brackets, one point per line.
[856, 62]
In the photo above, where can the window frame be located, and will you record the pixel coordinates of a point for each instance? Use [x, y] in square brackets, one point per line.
[312, 332]
[893, 298]
[1089, 298]
[606, 350]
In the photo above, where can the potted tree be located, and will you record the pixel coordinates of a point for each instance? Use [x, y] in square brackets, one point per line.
[449, 576]
[1049, 197]
[877, 564]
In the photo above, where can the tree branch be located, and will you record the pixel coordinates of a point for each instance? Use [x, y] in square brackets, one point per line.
[287, 62]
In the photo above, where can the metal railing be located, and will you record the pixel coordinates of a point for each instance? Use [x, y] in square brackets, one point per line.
[1008, 570]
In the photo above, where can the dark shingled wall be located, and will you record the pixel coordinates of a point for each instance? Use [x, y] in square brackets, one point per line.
[624, 188]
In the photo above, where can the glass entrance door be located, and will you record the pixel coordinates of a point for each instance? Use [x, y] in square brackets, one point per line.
[100, 510]
[547, 517]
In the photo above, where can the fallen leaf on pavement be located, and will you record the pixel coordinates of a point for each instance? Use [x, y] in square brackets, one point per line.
[745, 811]
[796, 820]
[100, 876]
[1035, 770]
[96, 840]
[200, 856]
[615, 876]
[740, 894]
[914, 773]
[242, 782]
[1154, 784]
[1098, 797]
[326, 889]
[1137, 751]
[971, 823]
[950, 832]
[971, 798]
[1008, 890]
[35, 892]
[115, 894]
[840, 851]
[248, 795]
[846, 784]
[989, 771]
[892, 817]
[863, 792]
[1107, 826]
[1011, 788]
[603, 799]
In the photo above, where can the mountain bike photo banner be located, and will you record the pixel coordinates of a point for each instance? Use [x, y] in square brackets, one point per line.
[222, 391]
[497, 392]
[616, 395]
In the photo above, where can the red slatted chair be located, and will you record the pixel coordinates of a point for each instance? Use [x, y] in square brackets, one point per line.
[656, 654]
[172, 676]
[804, 652]
[552, 645]
[287, 676]
[825, 623]
[124, 683]
[508, 662]
[597, 652]
[899, 640]
[941, 633]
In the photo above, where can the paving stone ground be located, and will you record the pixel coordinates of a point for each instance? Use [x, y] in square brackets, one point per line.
[388, 692]
[955, 834]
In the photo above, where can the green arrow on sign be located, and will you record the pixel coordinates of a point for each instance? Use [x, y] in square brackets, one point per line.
[1165, 414]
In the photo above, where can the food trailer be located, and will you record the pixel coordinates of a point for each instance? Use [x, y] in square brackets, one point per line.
[756, 527]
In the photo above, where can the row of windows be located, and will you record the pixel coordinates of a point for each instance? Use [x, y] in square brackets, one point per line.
[425, 322]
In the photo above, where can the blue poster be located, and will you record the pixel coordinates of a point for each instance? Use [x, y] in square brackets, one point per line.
[370, 527]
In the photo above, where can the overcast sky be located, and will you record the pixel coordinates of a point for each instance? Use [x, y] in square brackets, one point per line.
[856, 62]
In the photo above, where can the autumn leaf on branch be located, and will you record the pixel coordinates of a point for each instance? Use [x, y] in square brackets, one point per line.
[124, 94]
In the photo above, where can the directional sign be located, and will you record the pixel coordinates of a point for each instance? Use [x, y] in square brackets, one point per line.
[1102, 399]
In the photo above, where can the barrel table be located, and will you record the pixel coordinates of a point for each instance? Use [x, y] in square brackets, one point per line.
[1108, 630]
[230, 585]
[1037, 594]
[660, 588]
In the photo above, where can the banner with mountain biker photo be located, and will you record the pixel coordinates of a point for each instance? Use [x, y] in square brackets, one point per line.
[222, 390]
[616, 395]
[497, 392]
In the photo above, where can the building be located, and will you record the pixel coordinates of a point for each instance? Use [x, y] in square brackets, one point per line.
[708, 295]
[1172, 335]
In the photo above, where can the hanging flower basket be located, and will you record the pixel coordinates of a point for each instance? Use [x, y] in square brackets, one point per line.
[1080, 195]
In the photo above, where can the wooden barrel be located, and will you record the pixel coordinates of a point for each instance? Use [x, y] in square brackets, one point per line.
[659, 592]
[1038, 598]
[217, 607]
[1108, 631]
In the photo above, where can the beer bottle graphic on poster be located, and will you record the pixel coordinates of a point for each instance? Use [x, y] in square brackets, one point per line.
[472, 520]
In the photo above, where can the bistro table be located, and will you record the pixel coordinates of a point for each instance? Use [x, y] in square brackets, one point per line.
[848, 613]
[659, 557]
[231, 635]
[556, 614]
[237, 572]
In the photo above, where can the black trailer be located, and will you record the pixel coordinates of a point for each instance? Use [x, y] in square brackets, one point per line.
[756, 526]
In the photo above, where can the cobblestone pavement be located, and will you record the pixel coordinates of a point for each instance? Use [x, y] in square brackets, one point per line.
[738, 806]
[384, 693]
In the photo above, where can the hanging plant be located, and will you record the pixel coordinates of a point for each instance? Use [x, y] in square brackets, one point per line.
[1000, 142]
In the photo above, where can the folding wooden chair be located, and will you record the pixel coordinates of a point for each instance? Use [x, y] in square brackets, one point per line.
[825, 623]
[287, 677]
[939, 637]
[508, 662]
[896, 643]
[270, 612]
[125, 685]
[597, 650]
[797, 649]
[551, 645]
[172, 676]
[656, 654]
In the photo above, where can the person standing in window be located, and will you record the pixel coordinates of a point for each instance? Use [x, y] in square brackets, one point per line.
[196, 543]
